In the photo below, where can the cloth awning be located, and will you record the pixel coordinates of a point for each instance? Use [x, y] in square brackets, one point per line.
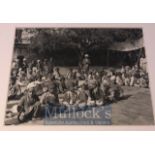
[128, 45]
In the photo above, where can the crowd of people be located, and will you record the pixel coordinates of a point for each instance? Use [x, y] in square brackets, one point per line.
[40, 83]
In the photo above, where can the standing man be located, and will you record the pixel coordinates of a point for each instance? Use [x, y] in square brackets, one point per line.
[86, 63]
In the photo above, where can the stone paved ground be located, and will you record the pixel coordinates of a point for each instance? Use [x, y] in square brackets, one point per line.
[135, 110]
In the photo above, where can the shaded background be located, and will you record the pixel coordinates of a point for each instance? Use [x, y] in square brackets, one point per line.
[106, 47]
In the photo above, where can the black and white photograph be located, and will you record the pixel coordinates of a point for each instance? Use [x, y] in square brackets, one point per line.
[79, 76]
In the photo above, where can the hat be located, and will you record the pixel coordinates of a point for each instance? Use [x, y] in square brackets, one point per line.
[30, 89]
[43, 78]
[30, 85]
[45, 89]
[20, 69]
[86, 55]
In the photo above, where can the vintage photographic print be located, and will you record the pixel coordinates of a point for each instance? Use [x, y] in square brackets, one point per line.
[79, 76]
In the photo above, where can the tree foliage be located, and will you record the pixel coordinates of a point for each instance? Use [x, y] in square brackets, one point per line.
[46, 40]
